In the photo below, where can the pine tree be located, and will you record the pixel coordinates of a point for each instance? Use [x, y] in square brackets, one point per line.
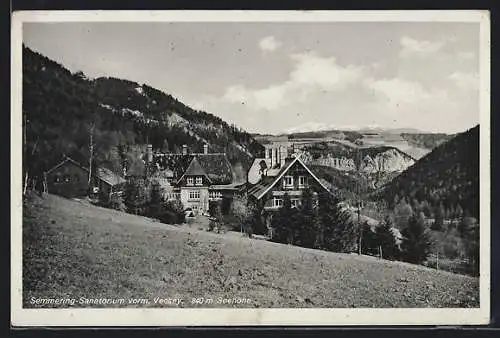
[469, 232]
[438, 218]
[337, 231]
[385, 239]
[369, 240]
[282, 223]
[156, 200]
[306, 221]
[136, 196]
[402, 212]
[416, 241]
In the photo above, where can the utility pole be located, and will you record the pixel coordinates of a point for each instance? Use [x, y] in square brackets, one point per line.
[25, 139]
[360, 230]
[91, 148]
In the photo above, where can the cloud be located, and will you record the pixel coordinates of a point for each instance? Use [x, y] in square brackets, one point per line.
[269, 44]
[314, 70]
[270, 98]
[398, 91]
[412, 47]
[466, 81]
[311, 73]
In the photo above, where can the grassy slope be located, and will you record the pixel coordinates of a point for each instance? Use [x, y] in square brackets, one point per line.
[76, 250]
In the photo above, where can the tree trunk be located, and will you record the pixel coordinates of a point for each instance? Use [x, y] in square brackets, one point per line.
[25, 182]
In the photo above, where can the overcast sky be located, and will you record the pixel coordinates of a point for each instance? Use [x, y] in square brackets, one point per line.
[275, 77]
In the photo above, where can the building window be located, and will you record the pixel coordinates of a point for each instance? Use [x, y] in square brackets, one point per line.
[67, 178]
[57, 179]
[295, 202]
[277, 202]
[215, 195]
[190, 181]
[288, 181]
[199, 180]
[194, 195]
[302, 181]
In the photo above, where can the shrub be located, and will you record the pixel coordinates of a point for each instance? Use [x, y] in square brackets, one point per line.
[172, 213]
[116, 202]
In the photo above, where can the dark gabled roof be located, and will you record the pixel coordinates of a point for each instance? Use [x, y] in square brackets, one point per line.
[66, 159]
[103, 174]
[261, 188]
[215, 166]
[194, 169]
[109, 176]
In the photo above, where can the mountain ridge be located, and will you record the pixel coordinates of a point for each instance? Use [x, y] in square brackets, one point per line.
[61, 108]
[447, 176]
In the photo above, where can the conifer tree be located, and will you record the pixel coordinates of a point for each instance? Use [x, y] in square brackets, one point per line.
[438, 218]
[306, 222]
[156, 200]
[402, 212]
[283, 231]
[416, 243]
[385, 239]
[337, 231]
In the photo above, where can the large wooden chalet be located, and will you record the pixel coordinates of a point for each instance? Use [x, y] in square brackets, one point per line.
[278, 173]
[194, 178]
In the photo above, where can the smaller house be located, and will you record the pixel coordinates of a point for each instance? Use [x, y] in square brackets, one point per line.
[108, 183]
[68, 178]
[71, 179]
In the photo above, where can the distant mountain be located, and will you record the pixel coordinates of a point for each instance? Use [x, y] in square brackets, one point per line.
[448, 175]
[61, 107]
[390, 130]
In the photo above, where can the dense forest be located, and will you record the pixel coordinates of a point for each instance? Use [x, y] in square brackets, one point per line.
[429, 141]
[447, 179]
[65, 113]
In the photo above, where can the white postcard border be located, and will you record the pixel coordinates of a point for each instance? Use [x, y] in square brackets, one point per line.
[262, 316]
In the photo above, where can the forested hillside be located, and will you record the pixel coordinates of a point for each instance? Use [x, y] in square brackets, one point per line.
[63, 111]
[429, 141]
[447, 179]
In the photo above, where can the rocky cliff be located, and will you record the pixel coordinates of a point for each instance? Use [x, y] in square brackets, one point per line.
[369, 160]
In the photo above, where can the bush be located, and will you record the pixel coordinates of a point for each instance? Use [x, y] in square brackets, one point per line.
[116, 202]
[172, 213]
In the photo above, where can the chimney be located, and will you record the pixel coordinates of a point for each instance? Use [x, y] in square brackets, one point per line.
[266, 152]
[184, 149]
[273, 157]
[149, 153]
[283, 155]
[205, 148]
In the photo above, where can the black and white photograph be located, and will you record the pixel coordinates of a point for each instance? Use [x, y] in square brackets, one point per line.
[245, 168]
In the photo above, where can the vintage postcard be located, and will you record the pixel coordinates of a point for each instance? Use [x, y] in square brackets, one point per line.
[187, 168]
